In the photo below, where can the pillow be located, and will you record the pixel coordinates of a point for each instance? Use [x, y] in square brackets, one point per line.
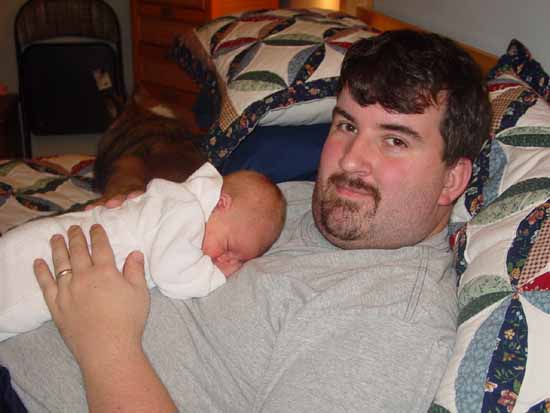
[519, 62]
[501, 361]
[276, 67]
[283, 153]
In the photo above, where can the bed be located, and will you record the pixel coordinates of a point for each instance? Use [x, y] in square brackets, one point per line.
[500, 226]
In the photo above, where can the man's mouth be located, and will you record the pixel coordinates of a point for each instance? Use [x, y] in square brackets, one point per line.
[353, 188]
[352, 192]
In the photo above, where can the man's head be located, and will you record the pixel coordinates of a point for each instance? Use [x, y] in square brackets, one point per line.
[412, 112]
[247, 220]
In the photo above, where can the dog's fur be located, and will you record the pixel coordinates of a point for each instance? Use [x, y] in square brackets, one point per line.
[142, 144]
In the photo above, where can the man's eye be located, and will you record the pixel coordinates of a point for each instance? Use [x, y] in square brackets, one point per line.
[346, 127]
[396, 142]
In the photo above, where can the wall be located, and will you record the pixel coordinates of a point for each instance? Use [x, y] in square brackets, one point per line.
[8, 69]
[488, 25]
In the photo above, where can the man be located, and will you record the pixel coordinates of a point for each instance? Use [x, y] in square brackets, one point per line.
[354, 307]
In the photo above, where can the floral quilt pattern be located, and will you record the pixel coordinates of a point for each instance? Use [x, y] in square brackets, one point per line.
[266, 62]
[30, 189]
[501, 362]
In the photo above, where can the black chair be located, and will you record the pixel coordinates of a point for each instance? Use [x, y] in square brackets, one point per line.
[69, 61]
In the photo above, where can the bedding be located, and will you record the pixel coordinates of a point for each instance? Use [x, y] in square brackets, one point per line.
[519, 62]
[9, 399]
[283, 153]
[33, 188]
[275, 67]
[501, 362]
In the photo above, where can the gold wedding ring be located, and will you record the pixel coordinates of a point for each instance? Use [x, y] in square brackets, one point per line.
[62, 273]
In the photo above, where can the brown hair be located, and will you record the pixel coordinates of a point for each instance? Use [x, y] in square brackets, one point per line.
[407, 71]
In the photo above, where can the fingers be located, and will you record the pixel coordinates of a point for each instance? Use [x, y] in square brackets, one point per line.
[60, 256]
[78, 247]
[92, 205]
[46, 281]
[102, 252]
[111, 202]
[115, 201]
[134, 194]
[77, 256]
[133, 269]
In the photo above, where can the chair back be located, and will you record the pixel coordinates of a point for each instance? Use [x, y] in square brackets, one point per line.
[69, 61]
[39, 20]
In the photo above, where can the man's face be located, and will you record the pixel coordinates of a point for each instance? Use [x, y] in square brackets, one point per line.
[381, 180]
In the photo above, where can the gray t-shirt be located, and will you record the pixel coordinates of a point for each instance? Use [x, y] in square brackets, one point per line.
[307, 327]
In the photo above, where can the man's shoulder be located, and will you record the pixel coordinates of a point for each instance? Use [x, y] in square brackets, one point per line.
[298, 199]
[297, 192]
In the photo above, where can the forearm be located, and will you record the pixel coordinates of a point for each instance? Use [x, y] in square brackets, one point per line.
[124, 381]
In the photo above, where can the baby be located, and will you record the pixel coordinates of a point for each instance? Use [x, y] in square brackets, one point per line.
[192, 234]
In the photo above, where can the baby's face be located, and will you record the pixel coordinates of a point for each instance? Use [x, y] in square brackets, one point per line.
[230, 246]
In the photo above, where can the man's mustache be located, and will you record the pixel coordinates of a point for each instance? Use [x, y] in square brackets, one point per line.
[342, 179]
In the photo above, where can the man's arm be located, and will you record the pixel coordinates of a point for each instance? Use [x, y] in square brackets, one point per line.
[123, 380]
[101, 313]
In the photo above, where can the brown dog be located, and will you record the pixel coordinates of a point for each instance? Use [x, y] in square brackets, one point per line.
[142, 144]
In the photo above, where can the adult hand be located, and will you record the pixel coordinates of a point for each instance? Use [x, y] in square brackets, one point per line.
[113, 201]
[94, 305]
[101, 313]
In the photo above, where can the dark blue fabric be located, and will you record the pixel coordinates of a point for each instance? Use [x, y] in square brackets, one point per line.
[283, 153]
[207, 106]
[9, 400]
[518, 60]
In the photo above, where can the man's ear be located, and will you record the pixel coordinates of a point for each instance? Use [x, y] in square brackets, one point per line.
[456, 180]
[225, 202]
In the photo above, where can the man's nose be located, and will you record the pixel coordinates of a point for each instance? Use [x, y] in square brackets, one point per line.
[358, 157]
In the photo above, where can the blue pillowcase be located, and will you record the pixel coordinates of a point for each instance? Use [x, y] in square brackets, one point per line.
[283, 153]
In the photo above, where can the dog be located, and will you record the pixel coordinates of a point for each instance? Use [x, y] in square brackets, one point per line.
[147, 140]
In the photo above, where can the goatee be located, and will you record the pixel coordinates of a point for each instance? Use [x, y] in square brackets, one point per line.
[342, 218]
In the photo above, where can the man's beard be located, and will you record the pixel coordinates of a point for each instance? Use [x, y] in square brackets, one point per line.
[342, 218]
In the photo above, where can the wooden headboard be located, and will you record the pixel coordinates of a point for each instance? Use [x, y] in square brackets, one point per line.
[382, 22]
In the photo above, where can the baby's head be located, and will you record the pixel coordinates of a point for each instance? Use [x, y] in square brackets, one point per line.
[246, 221]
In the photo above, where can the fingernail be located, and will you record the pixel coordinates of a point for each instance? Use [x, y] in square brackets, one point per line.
[139, 255]
[56, 237]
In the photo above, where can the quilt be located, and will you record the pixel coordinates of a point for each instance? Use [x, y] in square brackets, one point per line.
[34, 188]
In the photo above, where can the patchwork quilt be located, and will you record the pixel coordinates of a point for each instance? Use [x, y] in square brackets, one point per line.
[275, 67]
[30, 189]
[501, 362]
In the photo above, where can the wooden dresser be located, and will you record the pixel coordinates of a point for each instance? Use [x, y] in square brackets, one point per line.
[154, 25]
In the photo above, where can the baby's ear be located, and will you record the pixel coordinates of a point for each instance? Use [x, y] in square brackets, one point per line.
[225, 201]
